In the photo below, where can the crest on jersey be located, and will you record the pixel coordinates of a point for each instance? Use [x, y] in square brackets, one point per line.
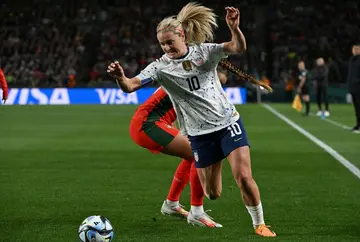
[187, 65]
[196, 156]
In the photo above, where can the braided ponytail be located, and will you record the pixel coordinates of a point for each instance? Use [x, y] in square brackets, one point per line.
[242, 75]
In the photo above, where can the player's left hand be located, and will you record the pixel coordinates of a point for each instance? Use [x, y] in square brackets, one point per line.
[232, 17]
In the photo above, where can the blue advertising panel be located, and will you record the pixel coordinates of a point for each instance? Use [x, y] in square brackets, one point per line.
[90, 96]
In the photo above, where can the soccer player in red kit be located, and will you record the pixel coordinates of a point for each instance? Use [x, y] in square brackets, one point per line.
[3, 86]
[152, 128]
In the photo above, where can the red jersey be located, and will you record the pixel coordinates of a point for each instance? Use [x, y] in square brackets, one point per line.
[3, 85]
[157, 107]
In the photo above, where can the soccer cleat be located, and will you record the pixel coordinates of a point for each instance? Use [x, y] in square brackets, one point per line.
[356, 129]
[203, 220]
[319, 113]
[327, 113]
[264, 230]
[177, 211]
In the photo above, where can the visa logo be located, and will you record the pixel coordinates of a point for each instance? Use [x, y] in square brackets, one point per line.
[116, 96]
[25, 96]
[235, 95]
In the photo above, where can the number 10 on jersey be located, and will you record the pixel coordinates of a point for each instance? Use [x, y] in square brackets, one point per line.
[234, 129]
[193, 83]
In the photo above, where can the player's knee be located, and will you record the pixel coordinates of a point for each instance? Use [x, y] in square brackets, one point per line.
[213, 194]
[243, 180]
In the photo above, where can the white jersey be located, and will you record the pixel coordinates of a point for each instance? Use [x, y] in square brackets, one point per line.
[192, 83]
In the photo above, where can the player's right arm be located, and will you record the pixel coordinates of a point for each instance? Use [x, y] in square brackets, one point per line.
[128, 85]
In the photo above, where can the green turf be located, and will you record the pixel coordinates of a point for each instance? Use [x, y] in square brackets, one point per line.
[60, 164]
[342, 140]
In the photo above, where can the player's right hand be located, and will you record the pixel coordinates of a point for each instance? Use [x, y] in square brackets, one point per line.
[232, 17]
[115, 70]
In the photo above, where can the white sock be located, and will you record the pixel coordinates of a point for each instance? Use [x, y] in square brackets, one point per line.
[172, 203]
[256, 213]
[197, 210]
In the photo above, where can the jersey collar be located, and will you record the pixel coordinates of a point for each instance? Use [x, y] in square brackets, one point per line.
[184, 56]
[179, 59]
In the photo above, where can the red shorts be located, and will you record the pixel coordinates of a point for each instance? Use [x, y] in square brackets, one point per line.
[154, 135]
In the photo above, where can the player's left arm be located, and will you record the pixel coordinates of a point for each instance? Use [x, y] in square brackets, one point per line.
[237, 44]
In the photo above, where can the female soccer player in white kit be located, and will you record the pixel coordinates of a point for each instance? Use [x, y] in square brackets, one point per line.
[187, 72]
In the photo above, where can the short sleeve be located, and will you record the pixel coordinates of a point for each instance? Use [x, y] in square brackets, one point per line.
[149, 74]
[214, 52]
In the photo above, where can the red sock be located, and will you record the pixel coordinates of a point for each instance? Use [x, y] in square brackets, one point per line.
[181, 178]
[197, 192]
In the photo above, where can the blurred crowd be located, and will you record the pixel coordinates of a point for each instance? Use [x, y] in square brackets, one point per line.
[39, 43]
[299, 30]
[45, 44]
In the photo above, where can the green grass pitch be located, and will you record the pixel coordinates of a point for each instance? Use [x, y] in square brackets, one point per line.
[60, 164]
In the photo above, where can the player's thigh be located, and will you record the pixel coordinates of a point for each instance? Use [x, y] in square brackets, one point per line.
[140, 137]
[318, 90]
[305, 93]
[356, 100]
[143, 140]
[306, 97]
[171, 141]
[208, 160]
[240, 163]
[154, 136]
[206, 150]
[160, 132]
[325, 91]
[180, 147]
[235, 145]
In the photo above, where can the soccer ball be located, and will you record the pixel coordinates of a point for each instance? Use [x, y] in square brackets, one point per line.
[96, 229]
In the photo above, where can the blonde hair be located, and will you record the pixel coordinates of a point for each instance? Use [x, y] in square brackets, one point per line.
[194, 20]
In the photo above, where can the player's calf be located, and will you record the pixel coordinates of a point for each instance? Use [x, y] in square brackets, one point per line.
[210, 178]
